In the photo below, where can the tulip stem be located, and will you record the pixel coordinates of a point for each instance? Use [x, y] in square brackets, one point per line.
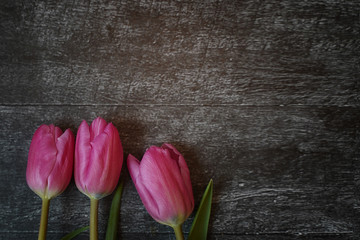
[178, 232]
[44, 218]
[94, 205]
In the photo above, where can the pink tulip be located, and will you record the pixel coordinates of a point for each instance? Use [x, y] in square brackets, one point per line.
[98, 158]
[50, 161]
[50, 166]
[162, 180]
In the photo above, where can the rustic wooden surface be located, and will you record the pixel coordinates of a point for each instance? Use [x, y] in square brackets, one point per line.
[261, 96]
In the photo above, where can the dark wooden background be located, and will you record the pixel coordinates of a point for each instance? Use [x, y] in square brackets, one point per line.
[261, 96]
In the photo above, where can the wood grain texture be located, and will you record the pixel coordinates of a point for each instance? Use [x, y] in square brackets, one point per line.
[261, 96]
[242, 52]
[269, 176]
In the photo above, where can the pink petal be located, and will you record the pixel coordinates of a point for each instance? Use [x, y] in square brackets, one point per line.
[61, 174]
[186, 187]
[146, 197]
[82, 154]
[41, 159]
[115, 159]
[133, 167]
[97, 127]
[56, 131]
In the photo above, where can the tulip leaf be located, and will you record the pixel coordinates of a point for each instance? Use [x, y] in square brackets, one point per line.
[200, 224]
[75, 233]
[112, 227]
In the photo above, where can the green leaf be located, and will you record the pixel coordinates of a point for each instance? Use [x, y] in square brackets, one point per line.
[75, 233]
[112, 227]
[200, 224]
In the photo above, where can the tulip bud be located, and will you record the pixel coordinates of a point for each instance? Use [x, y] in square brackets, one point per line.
[50, 161]
[162, 180]
[98, 158]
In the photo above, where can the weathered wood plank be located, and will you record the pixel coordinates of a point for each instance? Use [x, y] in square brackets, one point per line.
[261, 96]
[193, 52]
[284, 170]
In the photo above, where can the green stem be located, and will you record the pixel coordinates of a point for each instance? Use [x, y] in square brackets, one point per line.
[44, 218]
[178, 232]
[94, 204]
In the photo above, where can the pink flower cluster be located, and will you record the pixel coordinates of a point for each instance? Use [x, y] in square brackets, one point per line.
[162, 178]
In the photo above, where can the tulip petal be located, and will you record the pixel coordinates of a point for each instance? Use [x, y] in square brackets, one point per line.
[133, 166]
[98, 169]
[97, 127]
[41, 159]
[115, 160]
[150, 201]
[82, 151]
[147, 199]
[185, 173]
[61, 173]
[56, 131]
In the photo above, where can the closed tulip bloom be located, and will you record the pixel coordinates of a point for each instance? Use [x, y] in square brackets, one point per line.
[50, 161]
[98, 161]
[162, 180]
[98, 158]
[50, 166]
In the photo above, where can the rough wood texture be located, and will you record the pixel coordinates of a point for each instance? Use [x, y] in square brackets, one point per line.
[261, 96]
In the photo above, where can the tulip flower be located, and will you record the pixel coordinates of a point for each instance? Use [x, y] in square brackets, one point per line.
[98, 161]
[162, 180]
[50, 166]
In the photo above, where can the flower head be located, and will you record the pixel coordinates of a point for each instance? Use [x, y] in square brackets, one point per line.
[162, 180]
[98, 158]
[50, 161]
